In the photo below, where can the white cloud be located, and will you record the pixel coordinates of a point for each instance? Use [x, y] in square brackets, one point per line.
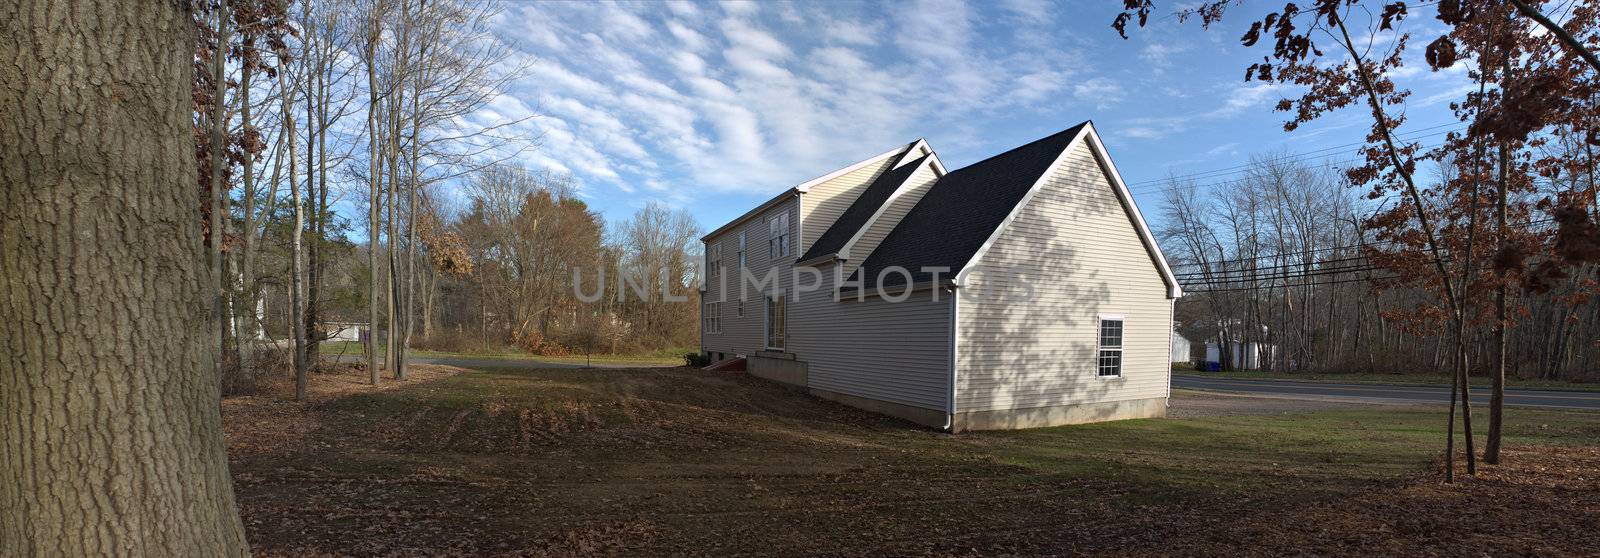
[690, 38]
[1098, 88]
[852, 33]
[694, 98]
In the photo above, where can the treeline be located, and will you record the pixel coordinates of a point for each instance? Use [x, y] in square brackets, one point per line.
[347, 181]
[1302, 273]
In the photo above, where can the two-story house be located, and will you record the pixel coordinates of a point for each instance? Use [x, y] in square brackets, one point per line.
[1022, 290]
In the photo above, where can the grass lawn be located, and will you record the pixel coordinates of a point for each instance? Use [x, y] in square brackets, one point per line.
[1392, 379]
[666, 357]
[678, 461]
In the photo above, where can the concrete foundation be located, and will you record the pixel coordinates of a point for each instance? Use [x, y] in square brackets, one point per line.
[785, 369]
[933, 418]
[777, 368]
[1038, 417]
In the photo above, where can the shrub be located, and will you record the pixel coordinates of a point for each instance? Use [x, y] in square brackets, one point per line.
[249, 372]
[696, 360]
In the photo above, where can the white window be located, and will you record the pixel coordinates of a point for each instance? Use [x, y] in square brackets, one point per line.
[776, 321]
[711, 317]
[713, 263]
[778, 236]
[742, 261]
[1110, 357]
[738, 308]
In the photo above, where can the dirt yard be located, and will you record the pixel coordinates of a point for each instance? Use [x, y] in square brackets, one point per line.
[677, 461]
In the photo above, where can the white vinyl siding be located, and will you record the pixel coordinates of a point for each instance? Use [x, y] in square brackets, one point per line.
[915, 187]
[745, 333]
[825, 202]
[1075, 253]
[896, 352]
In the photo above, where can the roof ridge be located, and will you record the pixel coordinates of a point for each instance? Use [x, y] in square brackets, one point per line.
[1073, 129]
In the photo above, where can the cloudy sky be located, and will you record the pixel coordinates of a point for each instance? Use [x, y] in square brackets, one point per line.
[717, 107]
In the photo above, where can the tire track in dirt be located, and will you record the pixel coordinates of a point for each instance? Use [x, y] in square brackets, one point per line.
[450, 431]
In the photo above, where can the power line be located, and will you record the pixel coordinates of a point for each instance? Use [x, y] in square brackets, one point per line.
[1319, 283]
[1275, 278]
[1262, 268]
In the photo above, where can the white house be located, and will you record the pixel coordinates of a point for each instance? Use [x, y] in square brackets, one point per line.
[1022, 290]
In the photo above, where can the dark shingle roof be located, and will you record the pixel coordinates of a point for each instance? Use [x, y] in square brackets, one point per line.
[861, 210]
[961, 211]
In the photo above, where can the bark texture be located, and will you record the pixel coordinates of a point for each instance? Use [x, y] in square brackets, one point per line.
[110, 430]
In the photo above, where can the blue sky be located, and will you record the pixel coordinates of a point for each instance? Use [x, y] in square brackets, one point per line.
[717, 107]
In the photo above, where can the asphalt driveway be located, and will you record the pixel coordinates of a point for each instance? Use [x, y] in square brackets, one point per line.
[1373, 393]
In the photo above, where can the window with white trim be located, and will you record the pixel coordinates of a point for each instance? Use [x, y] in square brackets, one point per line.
[1110, 357]
[742, 260]
[778, 235]
[713, 263]
[776, 321]
[711, 317]
[738, 308]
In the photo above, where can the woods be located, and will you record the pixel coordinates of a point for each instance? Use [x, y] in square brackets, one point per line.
[357, 186]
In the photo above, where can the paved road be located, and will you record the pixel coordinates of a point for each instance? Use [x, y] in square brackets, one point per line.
[1372, 393]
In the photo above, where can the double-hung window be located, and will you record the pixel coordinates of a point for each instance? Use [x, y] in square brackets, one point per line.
[778, 235]
[711, 317]
[776, 321]
[1110, 356]
[742, 261]
[713, 263]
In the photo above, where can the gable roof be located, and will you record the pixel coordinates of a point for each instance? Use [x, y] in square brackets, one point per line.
[807, 185]
[862, 209]
[961, 211]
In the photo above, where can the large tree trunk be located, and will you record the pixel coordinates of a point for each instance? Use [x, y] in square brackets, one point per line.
[110, 432]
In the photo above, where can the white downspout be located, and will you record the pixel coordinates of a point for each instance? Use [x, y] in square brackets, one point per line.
[955, 337]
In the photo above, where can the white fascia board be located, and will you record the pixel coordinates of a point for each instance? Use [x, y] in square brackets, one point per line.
[920, 146]
[807, 185]
[802, 188]
[899, 190]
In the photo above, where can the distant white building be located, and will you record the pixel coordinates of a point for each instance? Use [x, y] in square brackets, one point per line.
[343, 331]
[1180, 348]
[1241, 356]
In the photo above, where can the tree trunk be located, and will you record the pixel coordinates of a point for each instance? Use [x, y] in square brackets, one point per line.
[106, 447]
[218, 160]
[374, 33]
[296, 269]
[247, 288]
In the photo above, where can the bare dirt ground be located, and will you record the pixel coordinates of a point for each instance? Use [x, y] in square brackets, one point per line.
[677, 461]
